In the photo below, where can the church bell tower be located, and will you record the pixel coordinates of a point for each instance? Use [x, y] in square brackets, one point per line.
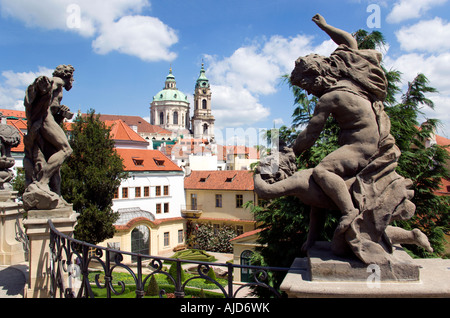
[203, 120]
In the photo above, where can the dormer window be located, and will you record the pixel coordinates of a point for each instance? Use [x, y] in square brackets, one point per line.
[138, 162]
[159, 162]
[230, 179]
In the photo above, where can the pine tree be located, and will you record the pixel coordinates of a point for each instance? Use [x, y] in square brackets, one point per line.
[90, 178]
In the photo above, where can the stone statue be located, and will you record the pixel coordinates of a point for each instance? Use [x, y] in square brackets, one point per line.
[46, 144]
[9, 138]
[359, 178]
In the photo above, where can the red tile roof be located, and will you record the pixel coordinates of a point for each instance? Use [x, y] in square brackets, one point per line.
[20, 125]
[142, 125]
[146, 160]
[19, 114]
[157, 222]
[246, 234]
[220, 180]
[121, 131]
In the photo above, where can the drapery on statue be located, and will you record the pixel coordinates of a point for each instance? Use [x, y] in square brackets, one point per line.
[46, 144]
[359, 178]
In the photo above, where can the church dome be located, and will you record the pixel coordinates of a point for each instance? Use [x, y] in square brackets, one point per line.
[170, 95]
[170, 91]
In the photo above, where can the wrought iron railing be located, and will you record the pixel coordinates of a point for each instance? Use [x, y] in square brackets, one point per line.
[71, 260]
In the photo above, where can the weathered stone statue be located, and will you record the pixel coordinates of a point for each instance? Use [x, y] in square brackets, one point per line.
[359, 178]
[9, 138]
[46, 144]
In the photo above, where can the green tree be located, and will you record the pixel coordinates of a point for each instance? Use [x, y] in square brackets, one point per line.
[424, 165]
[90, 178]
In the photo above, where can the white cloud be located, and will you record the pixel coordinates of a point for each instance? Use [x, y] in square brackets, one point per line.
[145, 37]
[12, 88]
[134, 34]
[436, 68]
[253, 71]
[410, 9]
[278, 121]
[236, 107]
[429, 36]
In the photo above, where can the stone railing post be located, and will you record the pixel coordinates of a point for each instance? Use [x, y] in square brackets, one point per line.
[12, 240]
[38, 231]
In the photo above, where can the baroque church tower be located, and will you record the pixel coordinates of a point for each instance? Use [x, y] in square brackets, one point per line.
[203, 120]
[170, 108]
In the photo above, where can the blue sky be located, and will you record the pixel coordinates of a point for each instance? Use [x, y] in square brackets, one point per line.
[122, 50]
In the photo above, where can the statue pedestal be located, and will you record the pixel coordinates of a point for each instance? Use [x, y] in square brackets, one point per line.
[38, 232]
[12, 240]
[323, 275]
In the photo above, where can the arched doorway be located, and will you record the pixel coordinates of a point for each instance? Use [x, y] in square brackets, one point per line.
[140, 241]
[246, 273]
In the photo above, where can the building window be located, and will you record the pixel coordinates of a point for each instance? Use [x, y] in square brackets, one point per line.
[239, 229]
[140, 241]
[180, 236]
[124, 193]
[166, 207]
[158, 191]
[218, 200]
[175, 118]
[246, 273]
[116, 193]
[161, 118]
[204, 104]
[239, 200]
[166, 239]
[158, 208]
[194, 201]
[137, 192]
[146, 191]
[166, 190]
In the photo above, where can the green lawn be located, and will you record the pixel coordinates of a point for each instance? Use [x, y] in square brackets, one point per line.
[194, 289]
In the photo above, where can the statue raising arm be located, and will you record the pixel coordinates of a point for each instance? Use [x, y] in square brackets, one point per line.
[337, 35]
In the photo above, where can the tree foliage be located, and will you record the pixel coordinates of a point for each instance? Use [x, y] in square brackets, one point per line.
[90, 178]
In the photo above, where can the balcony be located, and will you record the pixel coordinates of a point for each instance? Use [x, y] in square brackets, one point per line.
[191, 211]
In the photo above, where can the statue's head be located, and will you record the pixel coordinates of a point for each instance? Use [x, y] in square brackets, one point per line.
[65, 72]
[314, 73]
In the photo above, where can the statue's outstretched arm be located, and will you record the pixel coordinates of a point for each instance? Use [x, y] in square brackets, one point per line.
[337, 35]
[311, 133]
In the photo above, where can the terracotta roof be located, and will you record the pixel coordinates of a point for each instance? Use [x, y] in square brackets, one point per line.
[226, 220]
[246, 234]
[442, 141]
[146, 160]
[19, 114]
[220, 180]
[142, 125]
[157, 222]
[20, 125]
[121, 131]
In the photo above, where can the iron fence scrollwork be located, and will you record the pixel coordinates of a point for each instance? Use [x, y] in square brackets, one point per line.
[71, 260]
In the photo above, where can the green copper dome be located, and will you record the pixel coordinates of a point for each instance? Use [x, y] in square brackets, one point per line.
[202, 80]
[170, 92]
[170, 95]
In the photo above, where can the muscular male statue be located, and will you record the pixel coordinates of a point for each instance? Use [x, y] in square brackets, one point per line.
[359, 178]
[46, 144]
